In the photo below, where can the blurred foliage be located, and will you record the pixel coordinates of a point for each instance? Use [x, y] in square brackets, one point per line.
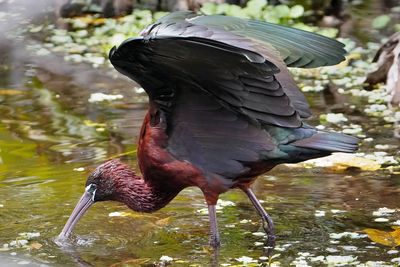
[89, 38]
[381, 22]
[261, 10]
[257, 9]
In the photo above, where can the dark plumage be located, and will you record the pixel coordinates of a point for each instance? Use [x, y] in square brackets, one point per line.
[223, 110]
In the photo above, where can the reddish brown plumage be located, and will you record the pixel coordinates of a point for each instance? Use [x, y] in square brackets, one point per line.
[162, 170]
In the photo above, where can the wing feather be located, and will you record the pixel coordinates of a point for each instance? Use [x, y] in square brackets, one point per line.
[216, 140]
[197, 60]
[222, 105]
[184, 24]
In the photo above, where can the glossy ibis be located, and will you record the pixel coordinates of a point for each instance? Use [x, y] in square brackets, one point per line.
[223, 109]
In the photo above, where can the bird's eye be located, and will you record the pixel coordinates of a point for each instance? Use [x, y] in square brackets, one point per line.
[91, 189]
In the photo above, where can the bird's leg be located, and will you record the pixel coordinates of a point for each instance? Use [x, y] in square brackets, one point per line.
[214, 234]
[268, 224]
[215, 257]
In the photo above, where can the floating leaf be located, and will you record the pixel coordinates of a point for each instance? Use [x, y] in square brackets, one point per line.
[158, 15]
[390, 239]
[91, 20]
[35, 245]
[328, 32]
[380, 22]
[271, 17]
[236, 11]
[130, 262]
[222, 9]
[209, 8]
[334, 118]
[282, 11]
[163, 222]
[93, 124]
[304, 27]
[343, 161]
[296, 11]
[10, 92]
[358, 162]
[255, 6]
[130, 214]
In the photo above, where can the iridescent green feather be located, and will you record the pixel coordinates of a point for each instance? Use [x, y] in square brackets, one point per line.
[297, 48]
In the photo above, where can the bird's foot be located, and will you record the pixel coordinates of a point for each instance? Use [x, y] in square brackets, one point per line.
[214, 242]
[270, 242]
[270, 231]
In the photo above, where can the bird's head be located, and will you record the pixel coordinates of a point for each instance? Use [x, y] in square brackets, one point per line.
[101, 183]
[100, 186]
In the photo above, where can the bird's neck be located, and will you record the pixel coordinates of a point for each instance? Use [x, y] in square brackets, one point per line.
[140, 194]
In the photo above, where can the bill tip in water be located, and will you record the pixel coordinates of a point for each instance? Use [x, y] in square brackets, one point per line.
[81, 207]
[61, 240]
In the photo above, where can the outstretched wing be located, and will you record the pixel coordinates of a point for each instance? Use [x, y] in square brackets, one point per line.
[222, 105]
[297, 48]
[240, 80]
[217, 99]
[219, 28]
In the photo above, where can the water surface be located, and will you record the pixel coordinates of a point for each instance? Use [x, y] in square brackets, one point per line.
[51, 137]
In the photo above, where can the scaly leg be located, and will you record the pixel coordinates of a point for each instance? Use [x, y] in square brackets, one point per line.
[214, 237]
[268, 224]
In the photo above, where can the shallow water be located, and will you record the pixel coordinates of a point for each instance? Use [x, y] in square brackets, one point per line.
[41, 182]
[51, 137]
[48, 147]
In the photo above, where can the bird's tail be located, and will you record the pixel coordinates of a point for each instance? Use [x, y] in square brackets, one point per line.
[329, 142]
[320, 144]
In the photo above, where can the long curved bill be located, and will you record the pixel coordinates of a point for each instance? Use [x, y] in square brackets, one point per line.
[83, 205]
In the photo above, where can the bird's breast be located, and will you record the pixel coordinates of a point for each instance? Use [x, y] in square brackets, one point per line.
[157, 164]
